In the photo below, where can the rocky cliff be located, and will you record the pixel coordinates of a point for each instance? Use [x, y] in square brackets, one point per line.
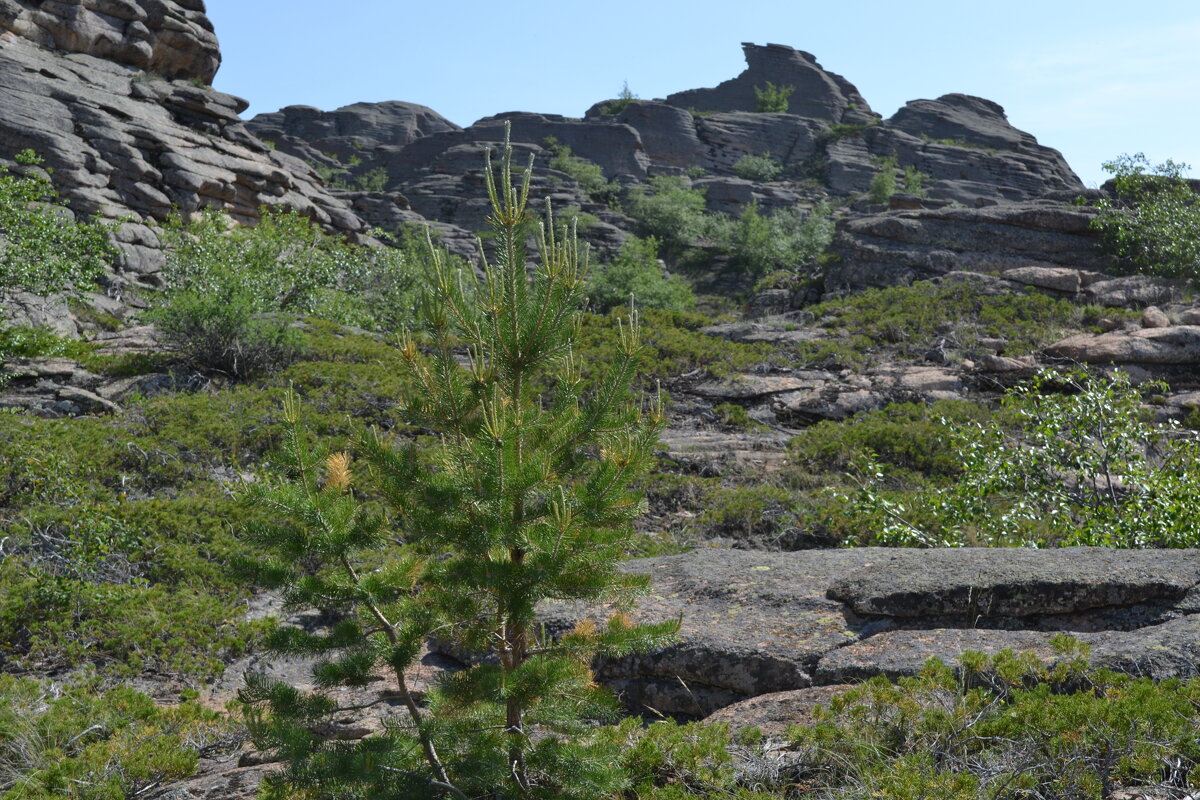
[114, 95]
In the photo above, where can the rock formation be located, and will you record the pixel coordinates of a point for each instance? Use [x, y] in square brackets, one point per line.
[816, 93]
[173, 39]
[759, 623]
[113, 95]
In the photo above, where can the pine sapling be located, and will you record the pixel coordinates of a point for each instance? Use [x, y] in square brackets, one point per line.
[522, 494]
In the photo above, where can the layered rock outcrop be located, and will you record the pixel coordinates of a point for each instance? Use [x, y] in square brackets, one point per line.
[898, 247]
[126, 143]
[172, 38]
[816, 92]
[758, 623]
[828, 142]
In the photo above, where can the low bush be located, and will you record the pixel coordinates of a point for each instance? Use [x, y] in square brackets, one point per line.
[1153, 224]
[786, 240]
[669, 209]
[230, 291]
[636, 275]
[757, 168]
[220, 331]
[772, 99]
[45, 249]
[1006, 727]
[883, 182]
[81, 742]
[588, 174]
[914, 181]
[1071, 460]
[287, 264]
[955, 315]
[625, 98]
[674, 343]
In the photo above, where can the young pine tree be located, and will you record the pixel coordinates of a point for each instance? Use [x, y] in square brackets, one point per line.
[523, 497]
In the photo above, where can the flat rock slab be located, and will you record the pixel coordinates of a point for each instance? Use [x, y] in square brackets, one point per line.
[981, 583]
[774, 713]
[755, 623]
[1167, 650]
[752, 623]
[1176, 345]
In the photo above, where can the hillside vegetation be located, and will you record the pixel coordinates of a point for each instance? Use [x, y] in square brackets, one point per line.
[309, 467]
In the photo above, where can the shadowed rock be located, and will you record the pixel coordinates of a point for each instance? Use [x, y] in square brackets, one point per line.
[752, 623]
[1003, 582]
[774, 713]
[755, 623]
[134, 147]
[897, 248]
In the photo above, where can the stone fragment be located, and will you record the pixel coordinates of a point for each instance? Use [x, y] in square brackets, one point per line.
[1058, 279]
[1153, 317]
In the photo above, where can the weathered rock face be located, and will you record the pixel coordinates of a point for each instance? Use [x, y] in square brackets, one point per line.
[755, 623]
[1177, 345]
[958, 171]
[817, 93]
[127, 144]
[352, 131]
[899, 247]
[172, 38]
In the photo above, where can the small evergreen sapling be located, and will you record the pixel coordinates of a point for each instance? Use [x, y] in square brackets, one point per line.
[524, 497]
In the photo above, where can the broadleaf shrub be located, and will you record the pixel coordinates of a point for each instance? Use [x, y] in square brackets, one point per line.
[636, 275]
[757, 168]
[1072, 460]
[232, 293]
[772, 99]
[43, 249]
[1154, 221]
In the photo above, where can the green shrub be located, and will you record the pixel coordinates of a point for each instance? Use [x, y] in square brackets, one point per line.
[78, 742]
[674, 345]
[587, 174]
[914, 181]
[219, 331]
[45, 249]
[788, 239]
[757, 168]
[772, 99]
[19, 341]
[669, 210]
[735, 416]
[841, 130]
[229, 291]
[636, 275]
[625, 99]
[911, 442]
[883, 183]
[1073, 460]
[1154, 222]
[759, 514]
[287, 264]
[956, 314]
[1001, 727]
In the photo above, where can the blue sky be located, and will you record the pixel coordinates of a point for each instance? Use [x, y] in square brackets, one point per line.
[1093, 78]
